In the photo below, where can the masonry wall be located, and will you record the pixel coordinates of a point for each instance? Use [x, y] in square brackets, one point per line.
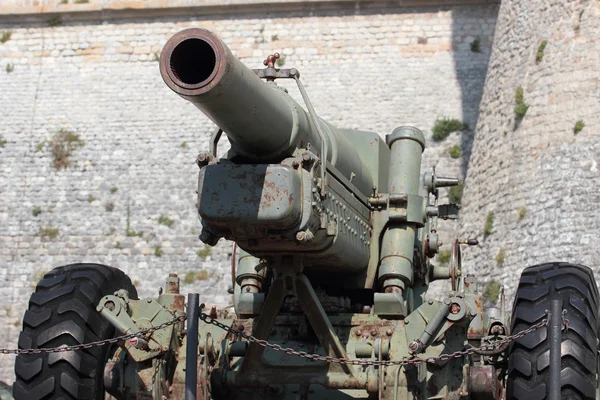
[537, 176]
[98, 78]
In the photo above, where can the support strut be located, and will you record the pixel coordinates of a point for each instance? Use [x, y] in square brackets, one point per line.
[555, 335]
[191, 351]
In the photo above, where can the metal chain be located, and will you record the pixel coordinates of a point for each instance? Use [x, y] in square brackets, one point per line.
[317, 357]
[140, 334]
[310, 356]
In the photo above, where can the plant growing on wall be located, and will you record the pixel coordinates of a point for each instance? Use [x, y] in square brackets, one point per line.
[522, 213]
[128, 231]
[475, 46]
[445, 126]
[500, 258]
[579, 125]
[55, 21]
[166, 221]
[205, 252]
[48, 232]
[62, 146]
[489, 223]
[191, 277]
[6, 35]
[540, 51]
[444, 256]
[520, 106]
[455, 193]
[492, 291]
[454, 151]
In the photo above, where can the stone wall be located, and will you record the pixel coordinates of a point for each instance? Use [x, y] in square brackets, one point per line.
[537, 176]
[134, 171]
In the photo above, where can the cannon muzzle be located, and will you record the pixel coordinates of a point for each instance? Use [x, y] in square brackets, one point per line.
[261, 121]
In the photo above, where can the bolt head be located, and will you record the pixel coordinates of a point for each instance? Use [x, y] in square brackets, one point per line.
[413, 346]
[373, 332]
[358, 332]
[389, 332]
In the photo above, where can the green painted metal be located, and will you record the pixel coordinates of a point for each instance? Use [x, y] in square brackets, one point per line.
[335, 230]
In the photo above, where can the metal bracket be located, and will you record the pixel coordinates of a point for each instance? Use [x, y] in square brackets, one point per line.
[214, 140]
[144, 314]
[270, 74]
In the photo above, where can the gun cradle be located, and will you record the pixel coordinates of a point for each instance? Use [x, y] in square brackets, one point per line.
[275, 209]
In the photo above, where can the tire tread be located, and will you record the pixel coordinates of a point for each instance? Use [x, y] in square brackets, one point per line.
[529, 357]
[62, 312]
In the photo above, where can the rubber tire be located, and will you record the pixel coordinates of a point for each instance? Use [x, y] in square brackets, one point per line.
[529, 357]
[62, 311]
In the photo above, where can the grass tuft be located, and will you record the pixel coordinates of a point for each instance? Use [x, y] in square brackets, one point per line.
[166, 221]
[492, 291]
[520, 106]
[579, 125]
[455, 193]
[445, 126]
[191, 276]
[205, 252]
[444, 256]
[539, 56]
[476, 46]
[128, 231]
[62, 146]
[48, 232]
[6, 35]
[489, 223]
[54, 21]
[454, 151]
[500, 258]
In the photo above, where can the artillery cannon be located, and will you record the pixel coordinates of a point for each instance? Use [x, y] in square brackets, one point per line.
[334, 231]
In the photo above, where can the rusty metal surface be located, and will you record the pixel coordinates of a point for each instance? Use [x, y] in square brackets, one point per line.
[259, 199]
[483, 383]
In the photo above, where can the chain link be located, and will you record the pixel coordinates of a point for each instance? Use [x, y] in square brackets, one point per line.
[317, 357]
[141, 334]
[288, 350]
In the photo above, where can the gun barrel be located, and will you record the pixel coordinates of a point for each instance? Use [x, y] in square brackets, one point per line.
[263, 122]
[260, 120]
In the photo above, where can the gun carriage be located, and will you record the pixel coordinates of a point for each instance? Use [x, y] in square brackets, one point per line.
[334, 232]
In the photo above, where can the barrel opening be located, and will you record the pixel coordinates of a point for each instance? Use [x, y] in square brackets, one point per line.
[193, 61]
